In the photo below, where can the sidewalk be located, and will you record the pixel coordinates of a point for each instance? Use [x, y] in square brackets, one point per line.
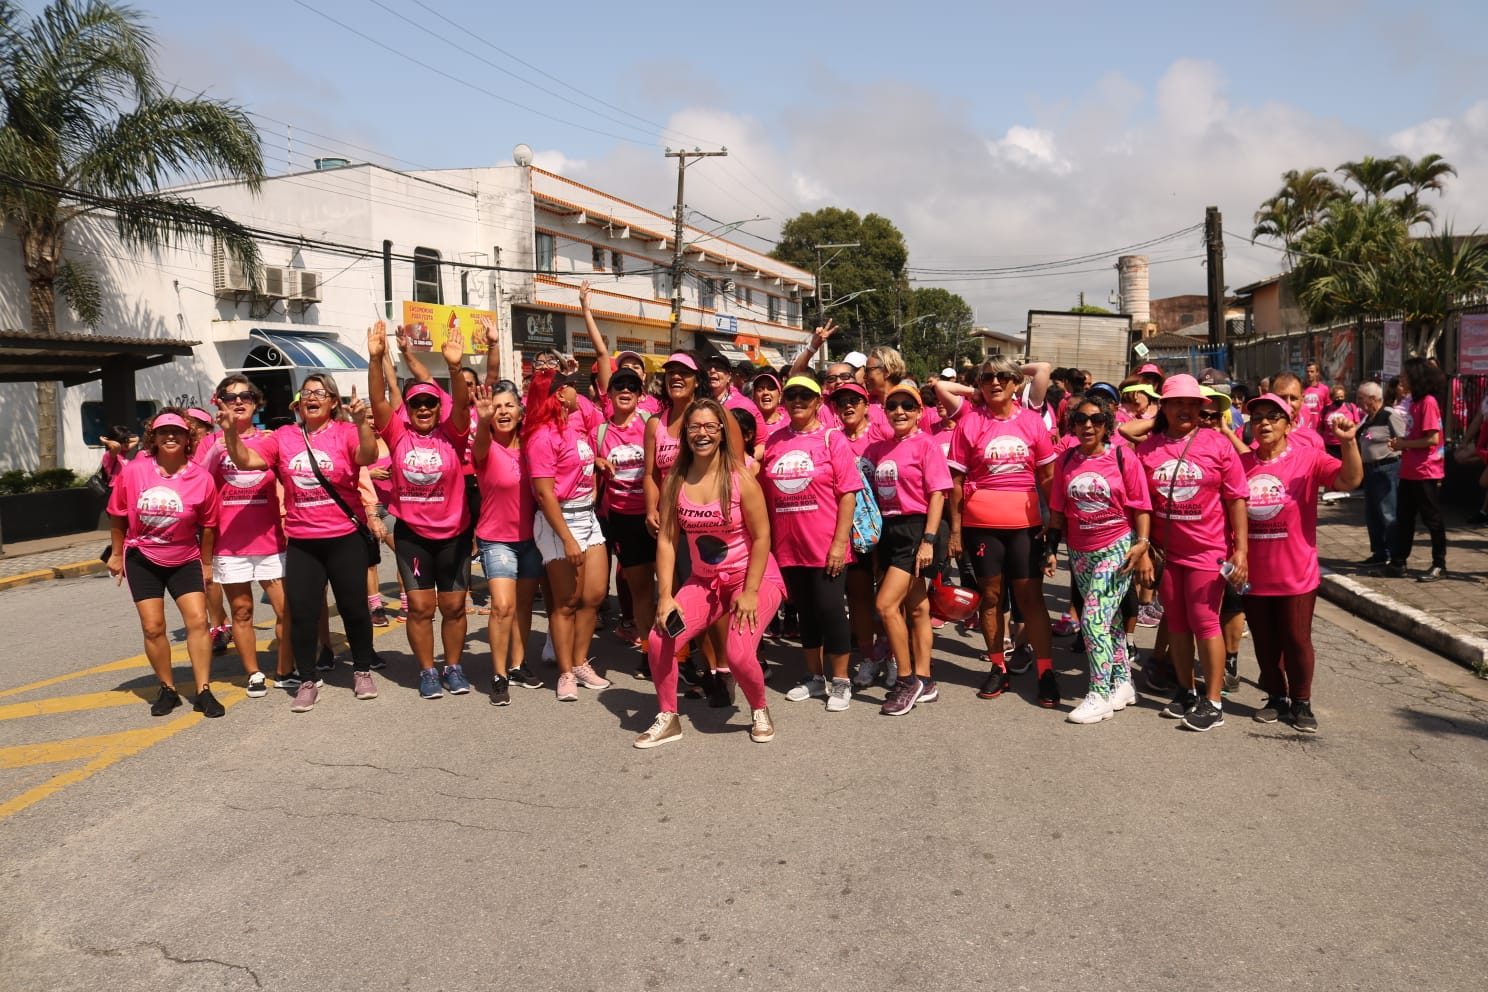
[1449, 617]
[65, 557]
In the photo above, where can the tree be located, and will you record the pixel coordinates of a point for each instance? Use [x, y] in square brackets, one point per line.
[1375, 177]
[936, 332]
[87, 132]
[1090, 308]
[1296, 206]
[874, 270]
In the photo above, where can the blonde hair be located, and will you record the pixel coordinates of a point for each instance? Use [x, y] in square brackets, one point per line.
[1001, 363]
[893, 362]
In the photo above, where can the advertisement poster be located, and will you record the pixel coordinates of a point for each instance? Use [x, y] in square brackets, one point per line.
[1339, 360]
[429, 324]
[1394, 344]
[534, 330]
[1472, 344]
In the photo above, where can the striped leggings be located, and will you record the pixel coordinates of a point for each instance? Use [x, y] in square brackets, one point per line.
[1102, 588]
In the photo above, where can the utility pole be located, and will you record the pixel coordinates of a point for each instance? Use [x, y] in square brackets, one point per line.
[821, 303]
[1214, 252]
[682, 156]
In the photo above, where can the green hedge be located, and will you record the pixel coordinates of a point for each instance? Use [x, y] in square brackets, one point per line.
[21, 481]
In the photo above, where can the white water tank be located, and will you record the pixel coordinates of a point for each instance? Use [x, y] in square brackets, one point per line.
[1132, 286]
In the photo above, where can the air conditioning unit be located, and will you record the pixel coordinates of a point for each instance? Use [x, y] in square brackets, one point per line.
[275, 282]
[229, 278]
[304, 286]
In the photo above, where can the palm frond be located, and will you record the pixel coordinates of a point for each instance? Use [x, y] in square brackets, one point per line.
[170, 139]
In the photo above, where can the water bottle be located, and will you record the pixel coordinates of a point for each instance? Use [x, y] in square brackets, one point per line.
[1227, 569]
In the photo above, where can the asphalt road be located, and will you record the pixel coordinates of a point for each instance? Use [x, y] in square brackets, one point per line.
[407, 844]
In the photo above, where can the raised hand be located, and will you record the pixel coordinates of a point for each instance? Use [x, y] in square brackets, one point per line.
[453, 350]
[405, 342]
[485, 402]
[377, 341]
[488, 328]
[224, 416]
[584, 295]
[357, 407]
[824, 332]
[1343, 428]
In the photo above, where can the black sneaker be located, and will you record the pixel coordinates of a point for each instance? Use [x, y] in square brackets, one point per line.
[995, 685]
[1204, 716]
[327, 660]
[1275, 708]
[1373, 561]
[500, 691]
[1159, 675]
[207, 705]
[1232, 673]
[1048, 690]
[720, 690]
[1433, 574]
[378, 663]
[1181, 704]
[1302, 717]
[168, 700]
[1391, 571]
[690, 673]
[523, 679]
[1021, 660]
[643, 670]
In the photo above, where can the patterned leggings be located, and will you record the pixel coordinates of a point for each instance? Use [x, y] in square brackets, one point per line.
[1102, 587]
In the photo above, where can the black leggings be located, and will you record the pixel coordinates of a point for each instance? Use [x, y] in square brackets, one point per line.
[1419, 496]
[821, 600]
[308, 564]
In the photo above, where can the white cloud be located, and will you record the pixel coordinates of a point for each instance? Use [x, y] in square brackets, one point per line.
[1030, 148]
[554, 160]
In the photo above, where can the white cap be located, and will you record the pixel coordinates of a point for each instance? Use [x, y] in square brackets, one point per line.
[948, 373]
[856, 359]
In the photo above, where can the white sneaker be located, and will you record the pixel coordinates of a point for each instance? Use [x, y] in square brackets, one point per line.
[1123, 694]
[814, 687]
[1092, 709]
[867, 672]
[839, 695]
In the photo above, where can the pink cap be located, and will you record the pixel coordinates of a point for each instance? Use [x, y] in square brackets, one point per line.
[1182, 387]
[850, 387]
[1149, 367]
[682, 358]
[202, 415]
[422, 389]
[168, 420]
[622, 355]
[767, 374]
[1285, 407]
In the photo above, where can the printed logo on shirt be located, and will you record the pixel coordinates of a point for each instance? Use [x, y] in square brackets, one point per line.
[1311, 399]
[586, 458]
[1006, 454]
[159, 507]
[886, 480]
[628, 461]
[1184, 488]
[303, 475]
[711, 550]
[422, 466]
[240, 478]
[1268, 497]
[1090, 492]
[792, 472]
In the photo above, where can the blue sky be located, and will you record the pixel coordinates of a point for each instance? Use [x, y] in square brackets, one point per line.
[988, 131]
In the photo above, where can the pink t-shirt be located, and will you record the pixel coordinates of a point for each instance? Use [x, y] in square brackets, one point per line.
[383, 487]
[566, 457]
[999, 453]
[247, 502]
[625, 448]
[164, 512]
[1283, 518]
[1421, 417]
[803, 476]
[429, 478]
[1314, 399]
[667, 447]
[308, 511]
[586, 417]
[507, 506]
[738, 401]
[1098, 495]
[906, 472]
[720, 550]
[647, 404]
[1193, 529]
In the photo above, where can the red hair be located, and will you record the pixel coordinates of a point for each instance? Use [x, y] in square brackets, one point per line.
[543, 408]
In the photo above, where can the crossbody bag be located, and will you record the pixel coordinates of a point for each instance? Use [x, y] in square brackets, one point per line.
[374, 555]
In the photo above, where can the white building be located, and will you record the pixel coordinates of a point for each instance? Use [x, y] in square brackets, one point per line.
[347, 245]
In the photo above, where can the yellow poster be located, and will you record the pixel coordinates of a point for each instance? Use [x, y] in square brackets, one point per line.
[430, 324]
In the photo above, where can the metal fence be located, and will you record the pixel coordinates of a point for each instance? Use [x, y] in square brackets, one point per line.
[1193, 359]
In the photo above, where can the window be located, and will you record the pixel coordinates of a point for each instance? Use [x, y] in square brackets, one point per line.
[547, 250]
[427, 287]
[707, 294]
[1184, 319]
[598, 258]
[749, 296]
[772, 308]
[617, 263]
[793, 312]
[738, 291]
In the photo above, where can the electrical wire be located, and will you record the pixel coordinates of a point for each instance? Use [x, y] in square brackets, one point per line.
[1011, 276]
[1057, 263]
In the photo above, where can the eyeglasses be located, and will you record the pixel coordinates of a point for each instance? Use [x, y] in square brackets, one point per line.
[893, 406]
[873, 368]
[314, 394]
[424, 403]
[1081, 419]
[838, 377]
[1269, 416]
[237, 397]
[544, 363]
[1006, 378]
[799, 396]
[710, 429]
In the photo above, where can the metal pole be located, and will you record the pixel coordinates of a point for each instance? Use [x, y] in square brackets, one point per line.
[677, 247]
[1214, 245]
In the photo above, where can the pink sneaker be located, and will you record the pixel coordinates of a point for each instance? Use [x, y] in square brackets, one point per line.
[305, 697]
[363, 685]
[568, 687]
[1065, 626]
[589, 678]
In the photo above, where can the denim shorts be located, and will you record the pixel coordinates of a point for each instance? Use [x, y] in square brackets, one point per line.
[511, 560]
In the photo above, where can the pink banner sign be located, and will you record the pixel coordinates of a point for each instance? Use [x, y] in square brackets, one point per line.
[1472, 344]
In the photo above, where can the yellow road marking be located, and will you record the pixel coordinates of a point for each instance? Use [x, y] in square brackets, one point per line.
[74, 704]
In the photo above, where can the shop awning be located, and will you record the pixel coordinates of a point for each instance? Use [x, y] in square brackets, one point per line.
[772, 357]
[304, 353]
[729, 350]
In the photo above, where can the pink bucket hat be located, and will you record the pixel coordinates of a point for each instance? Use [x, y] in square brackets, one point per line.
[1181, 387]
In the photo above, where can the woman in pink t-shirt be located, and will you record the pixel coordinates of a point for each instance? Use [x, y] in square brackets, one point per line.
[712, 503]
[432, 536]
[163, 519]
[911, 481]
[1198, 494]
[1422, 468]
[1099, 502]
[765, 392]
[325, 544]
[620, 458]
[849, 401]
[1002, 460]
[1284, 480]
[560, 462]
[250, 536]
[810, 478]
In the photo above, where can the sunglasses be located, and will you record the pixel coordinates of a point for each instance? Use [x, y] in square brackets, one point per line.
[1006, 378]
[893, 406]
[424, 403]
[1269, 416]
[847, 398]
[544, 363]
[1081, 419]
[873, 368]
[623, 389]
[1208, 414]
[237, 397]
[799, 396]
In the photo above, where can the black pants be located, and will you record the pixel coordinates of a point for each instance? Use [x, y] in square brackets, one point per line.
[1419, 496]
[308, 564]
[822, 602]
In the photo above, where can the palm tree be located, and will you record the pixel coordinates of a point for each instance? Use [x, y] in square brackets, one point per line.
[1350, 263]
[1375, 177]
[1296, 207]
[1426, 173]
[1445, 271]
[87, 132]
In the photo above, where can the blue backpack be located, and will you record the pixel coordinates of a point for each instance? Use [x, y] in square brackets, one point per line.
[867, 522]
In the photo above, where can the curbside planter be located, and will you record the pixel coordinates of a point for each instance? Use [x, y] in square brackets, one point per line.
[28, 516]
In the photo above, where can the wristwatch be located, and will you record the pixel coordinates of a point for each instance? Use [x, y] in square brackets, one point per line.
[928, 537]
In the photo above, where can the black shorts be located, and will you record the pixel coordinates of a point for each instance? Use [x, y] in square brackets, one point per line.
[1011, 554]
[899, 544]
[629, 538]
[148, 580]
[426, 563]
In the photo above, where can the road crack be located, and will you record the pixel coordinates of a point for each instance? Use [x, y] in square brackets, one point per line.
[114, 952]
[396, 821]
[390, 771]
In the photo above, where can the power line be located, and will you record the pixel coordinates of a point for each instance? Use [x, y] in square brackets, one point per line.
[1047, 274]
[1056, 263]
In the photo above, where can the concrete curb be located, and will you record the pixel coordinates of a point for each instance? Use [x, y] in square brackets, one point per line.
[1429, 631]
[50, 573]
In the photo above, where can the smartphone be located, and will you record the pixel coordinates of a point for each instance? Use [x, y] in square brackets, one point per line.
[675, 625]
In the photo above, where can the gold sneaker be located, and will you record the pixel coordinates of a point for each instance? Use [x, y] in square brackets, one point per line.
[761, 727]
[665, 729]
